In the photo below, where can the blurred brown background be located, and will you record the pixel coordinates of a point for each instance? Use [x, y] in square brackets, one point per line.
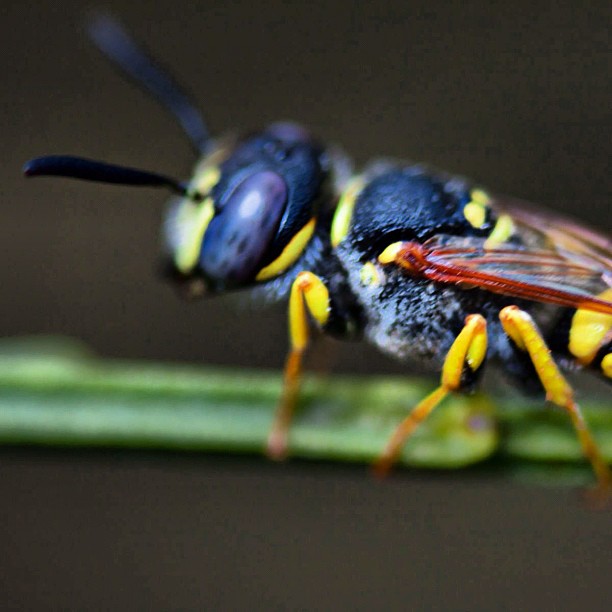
[515, 95]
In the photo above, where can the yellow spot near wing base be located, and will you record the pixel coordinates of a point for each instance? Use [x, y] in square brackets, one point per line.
[475, 213]
[503, 230]
[370, 275]
[589, 331]
[390, 254]
[480, 196]
[290, 253]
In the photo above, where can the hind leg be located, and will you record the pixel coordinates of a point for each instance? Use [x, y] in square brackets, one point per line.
[521, 328]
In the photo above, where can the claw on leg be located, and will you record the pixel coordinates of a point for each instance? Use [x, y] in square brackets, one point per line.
[276, 447]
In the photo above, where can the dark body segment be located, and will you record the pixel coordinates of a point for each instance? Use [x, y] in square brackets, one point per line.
[407, 203]
[414, 319]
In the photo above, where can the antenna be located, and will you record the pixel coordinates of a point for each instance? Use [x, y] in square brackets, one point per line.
[91, 170]
[113, 40]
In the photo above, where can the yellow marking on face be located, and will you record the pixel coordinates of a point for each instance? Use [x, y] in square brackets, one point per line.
[370, 275]
[589, 331]
[197, 217]
[207, 179]
[503, 230]
[606, 365]
[307, 291]
[290, 253]
[341, 222]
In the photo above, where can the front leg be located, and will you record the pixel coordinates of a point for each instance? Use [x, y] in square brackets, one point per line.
[468, 351]
[308, 295]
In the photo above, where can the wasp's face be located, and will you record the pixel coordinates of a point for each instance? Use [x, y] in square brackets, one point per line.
[254, 211]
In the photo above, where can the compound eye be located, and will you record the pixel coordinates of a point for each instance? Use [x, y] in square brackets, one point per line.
[237, 237]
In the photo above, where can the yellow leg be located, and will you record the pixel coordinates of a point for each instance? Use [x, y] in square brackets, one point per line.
[308, 294]
[469, 349]
[524, 332]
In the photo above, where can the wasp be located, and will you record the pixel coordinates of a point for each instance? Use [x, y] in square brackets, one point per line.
[426, 266]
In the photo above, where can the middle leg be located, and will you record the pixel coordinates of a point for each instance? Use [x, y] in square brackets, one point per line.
[467, 351]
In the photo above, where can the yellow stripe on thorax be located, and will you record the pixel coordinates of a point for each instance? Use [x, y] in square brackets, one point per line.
[290, 253]
[341, 222]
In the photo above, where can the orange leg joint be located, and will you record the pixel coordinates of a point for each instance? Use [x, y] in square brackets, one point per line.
[468, 350]
[308, 295]
[521, 328]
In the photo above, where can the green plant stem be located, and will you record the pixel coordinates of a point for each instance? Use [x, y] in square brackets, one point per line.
[57, 394]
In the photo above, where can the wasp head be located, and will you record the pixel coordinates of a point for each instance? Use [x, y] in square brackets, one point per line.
[249, 209]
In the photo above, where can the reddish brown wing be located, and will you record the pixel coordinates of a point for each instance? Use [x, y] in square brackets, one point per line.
[565, 235]
[565, 263]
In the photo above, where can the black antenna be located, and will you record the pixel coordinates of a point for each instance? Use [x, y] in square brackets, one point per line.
[111, 38]
[91, 170]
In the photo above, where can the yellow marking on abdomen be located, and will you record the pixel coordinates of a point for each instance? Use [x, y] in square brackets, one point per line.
[341, 222]
[606, 365]
[290, 253]
[589, 331]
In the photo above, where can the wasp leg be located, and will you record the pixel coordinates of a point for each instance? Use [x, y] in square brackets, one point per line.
[308, 294]
[468, 350]
[521, 328]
